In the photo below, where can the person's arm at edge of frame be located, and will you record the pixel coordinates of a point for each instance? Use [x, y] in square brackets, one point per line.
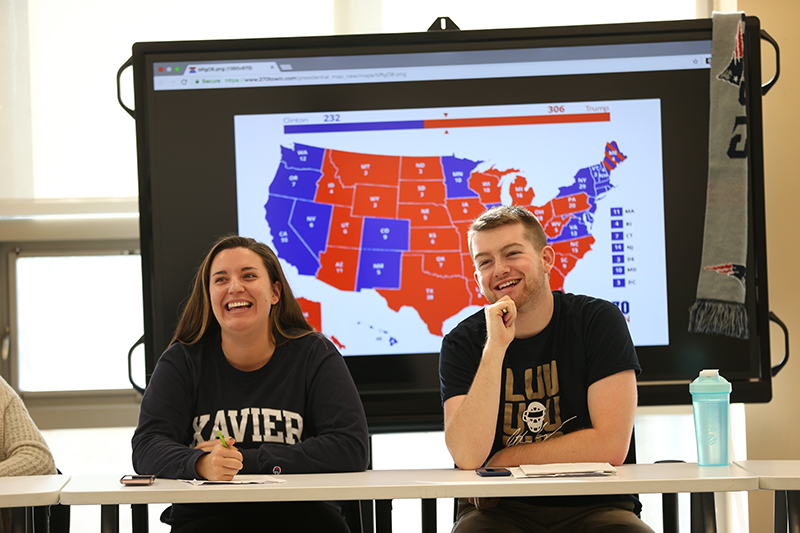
[470, 420]
[26, 452]
[612, 408]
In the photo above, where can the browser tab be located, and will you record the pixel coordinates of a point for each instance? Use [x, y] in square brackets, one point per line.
[411, 67]
[185, 75]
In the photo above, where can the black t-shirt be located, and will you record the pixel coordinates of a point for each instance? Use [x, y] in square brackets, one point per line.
[545, 377]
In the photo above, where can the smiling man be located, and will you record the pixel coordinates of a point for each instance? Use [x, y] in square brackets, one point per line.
[536, 377]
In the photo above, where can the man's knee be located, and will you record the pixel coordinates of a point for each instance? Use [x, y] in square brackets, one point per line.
[471, 520]
[617, 519]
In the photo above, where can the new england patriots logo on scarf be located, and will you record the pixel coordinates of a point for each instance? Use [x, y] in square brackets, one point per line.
[734, 72]
[729, 269]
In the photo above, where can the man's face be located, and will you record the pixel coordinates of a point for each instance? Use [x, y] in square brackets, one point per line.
[507, 264]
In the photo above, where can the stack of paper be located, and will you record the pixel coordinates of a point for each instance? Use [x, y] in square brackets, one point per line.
[243, 479]
[568, 469]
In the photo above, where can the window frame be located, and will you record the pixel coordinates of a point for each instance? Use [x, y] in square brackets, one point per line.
[63, 409]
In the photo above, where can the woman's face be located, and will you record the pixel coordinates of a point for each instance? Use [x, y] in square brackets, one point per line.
[241, 292]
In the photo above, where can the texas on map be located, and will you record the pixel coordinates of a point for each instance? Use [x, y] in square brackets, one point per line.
[398, 224]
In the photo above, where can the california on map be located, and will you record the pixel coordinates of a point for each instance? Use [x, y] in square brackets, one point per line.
[398, 224]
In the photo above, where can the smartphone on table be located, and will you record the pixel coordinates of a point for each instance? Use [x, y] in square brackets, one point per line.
[137, 480]
[493, 472]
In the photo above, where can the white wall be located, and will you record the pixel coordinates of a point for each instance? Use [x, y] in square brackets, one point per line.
[772, 432]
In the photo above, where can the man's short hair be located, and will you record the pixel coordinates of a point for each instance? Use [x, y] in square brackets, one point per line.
[503, 215]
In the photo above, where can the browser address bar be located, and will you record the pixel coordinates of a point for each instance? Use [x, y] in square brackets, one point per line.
[260, 67]
[264, 74]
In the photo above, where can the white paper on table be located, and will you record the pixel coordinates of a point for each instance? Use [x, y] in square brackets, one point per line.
[244, 479]
[567, 469]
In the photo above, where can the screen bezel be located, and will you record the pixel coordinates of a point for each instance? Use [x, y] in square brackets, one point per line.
[402, 392]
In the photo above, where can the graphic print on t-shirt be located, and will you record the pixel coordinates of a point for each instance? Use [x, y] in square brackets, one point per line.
[250, 424]
[532, 411]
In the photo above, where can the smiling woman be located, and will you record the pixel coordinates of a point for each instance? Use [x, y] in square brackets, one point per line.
[242, 295]
[245, 364]
[201, 318]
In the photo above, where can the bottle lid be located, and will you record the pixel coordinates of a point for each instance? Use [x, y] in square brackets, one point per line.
[709, 381]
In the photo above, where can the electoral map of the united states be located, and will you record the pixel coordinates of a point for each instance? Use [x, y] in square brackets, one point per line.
[368, 211]
[398, 224]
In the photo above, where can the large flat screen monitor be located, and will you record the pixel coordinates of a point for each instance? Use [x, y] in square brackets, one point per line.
[362, 159]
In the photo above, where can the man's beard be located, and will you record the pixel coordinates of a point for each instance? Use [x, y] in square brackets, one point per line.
[533, 294]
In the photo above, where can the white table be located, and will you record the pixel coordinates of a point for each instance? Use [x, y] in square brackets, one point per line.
[26, 492]
[783, 477]
[402, 484]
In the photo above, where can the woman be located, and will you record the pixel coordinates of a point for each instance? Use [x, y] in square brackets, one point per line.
[245, 361]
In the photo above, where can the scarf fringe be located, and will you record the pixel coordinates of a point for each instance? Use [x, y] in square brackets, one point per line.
[720, 318]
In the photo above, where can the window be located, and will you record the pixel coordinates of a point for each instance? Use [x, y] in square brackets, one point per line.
[73, 311]
[69, 137]
[418, 15]
[77, 316]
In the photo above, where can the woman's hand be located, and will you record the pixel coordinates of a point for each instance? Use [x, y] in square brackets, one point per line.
[220, 463]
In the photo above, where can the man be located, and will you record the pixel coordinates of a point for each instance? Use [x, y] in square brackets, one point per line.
[536, 377]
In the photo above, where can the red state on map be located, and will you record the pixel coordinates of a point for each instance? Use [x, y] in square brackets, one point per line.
[567, 255]
[555, 226]
[374, 201]
[574, 203]
[463, 230]
[565, 263]
[335, 341]
[556, 280]
[435, 299]
[542, 212]
[575, 247]
[468, 266]
[422, 192]
[354, 168]
[442, 264]
[329, 188]
[312, 312]
[520, 193]
[476, 298]
[421, 168]
[487, 185]
[345, 229]
[424, 215]
[432, 239]
[339, 267]
[464, 209]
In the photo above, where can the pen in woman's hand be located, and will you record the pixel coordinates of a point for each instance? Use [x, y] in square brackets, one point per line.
[224, 442]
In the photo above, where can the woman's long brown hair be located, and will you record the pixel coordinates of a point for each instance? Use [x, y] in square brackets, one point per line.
[198, 321]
